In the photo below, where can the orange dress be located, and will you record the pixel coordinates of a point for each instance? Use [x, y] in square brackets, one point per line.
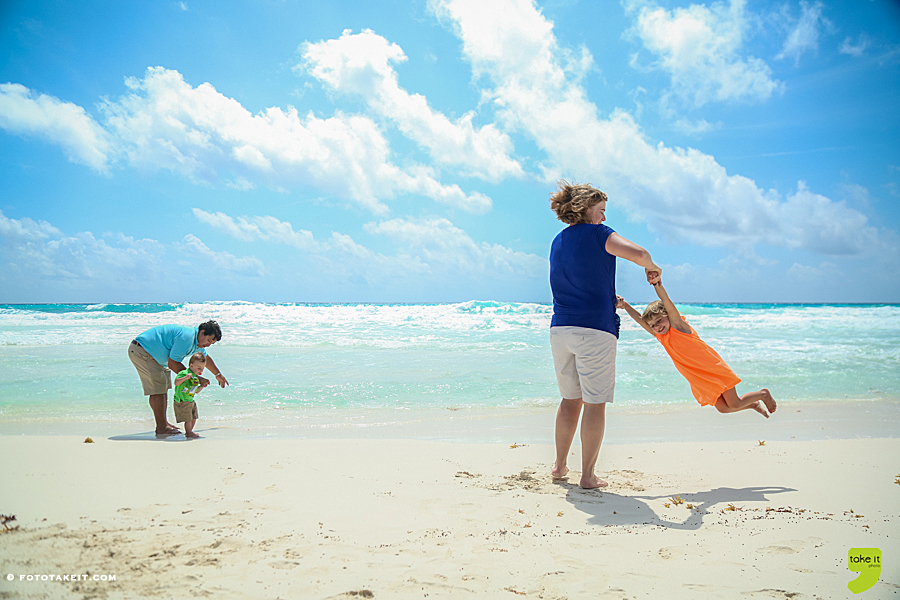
[702, 366]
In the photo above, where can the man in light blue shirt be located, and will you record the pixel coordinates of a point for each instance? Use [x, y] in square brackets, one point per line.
[162, 349]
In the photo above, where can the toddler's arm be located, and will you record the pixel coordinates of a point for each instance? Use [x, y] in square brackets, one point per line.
[180, 380]
[620, 303]
[675, 319]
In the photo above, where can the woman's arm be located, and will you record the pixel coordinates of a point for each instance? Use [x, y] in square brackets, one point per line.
[675, 319]
[623, 248]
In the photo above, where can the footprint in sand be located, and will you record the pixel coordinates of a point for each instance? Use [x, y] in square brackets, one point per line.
[779, 550]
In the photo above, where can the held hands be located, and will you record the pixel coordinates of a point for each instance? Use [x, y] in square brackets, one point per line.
[620, 302]
[654, 274]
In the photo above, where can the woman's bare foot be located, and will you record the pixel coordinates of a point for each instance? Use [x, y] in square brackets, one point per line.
[592, 482]
[768, 400]
[559, 473]
[759, 408]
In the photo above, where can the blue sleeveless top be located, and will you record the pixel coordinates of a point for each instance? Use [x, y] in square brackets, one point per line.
[583, 279]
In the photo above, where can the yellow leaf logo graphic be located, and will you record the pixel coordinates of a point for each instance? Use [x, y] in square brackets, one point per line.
[866, 562]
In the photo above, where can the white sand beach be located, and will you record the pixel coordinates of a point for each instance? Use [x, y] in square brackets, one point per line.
[322, 518]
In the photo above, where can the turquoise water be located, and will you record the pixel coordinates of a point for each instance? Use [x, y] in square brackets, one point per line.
[353, 364]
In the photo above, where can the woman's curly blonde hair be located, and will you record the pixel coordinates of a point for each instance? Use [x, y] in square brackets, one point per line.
[571, 201]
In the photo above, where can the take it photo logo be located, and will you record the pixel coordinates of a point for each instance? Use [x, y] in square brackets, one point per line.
[866, 562]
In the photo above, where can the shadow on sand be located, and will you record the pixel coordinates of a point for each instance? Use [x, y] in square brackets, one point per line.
[609, 508]
[152, 436]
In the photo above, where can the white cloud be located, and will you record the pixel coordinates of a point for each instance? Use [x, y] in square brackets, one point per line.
[683, 194]
[425, 246]
[442, 244]
[695, 128]
[808, 274]
[260, 228]
[813, 222]
[803, 36]
[166, 124]
[36, 250]
[36, 256]
[192, 249]
[24, 112]
[700, 48]
[27, 230]
[361, 64]
[338, 257]
[857, 49]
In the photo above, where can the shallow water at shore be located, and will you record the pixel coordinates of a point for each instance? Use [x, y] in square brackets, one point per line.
[476, 370]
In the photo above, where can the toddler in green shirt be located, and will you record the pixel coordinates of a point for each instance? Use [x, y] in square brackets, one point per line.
[187, 383]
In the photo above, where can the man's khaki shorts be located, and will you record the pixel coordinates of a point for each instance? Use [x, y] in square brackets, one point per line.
[155, 378]
[185, 411]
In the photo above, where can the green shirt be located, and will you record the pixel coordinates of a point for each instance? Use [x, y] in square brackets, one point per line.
[184, 391]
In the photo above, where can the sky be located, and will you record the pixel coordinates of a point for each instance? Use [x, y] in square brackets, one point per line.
[406, 150]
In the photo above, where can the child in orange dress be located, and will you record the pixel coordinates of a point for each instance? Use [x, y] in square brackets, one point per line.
[712, 380]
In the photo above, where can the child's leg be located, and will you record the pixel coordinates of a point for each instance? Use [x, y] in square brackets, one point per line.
[189, 429]
[759, 401]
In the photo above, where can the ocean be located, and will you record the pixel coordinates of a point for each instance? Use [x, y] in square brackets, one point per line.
[343, 369]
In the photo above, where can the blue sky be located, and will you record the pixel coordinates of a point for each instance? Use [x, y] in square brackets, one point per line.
[404, 151]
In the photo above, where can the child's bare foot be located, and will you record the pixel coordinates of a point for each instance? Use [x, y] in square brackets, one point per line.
[559, 473]
[768, 400]
[592, 482]
[759, 408]
[191, 434]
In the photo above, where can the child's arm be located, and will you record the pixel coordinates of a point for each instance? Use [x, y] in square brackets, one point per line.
[620, 303]
[675, 319]
[180, 380]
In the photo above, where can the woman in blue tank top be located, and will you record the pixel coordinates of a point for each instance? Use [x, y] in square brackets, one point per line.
[585, 326]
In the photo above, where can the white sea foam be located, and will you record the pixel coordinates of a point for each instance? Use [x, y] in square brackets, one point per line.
[290, 361]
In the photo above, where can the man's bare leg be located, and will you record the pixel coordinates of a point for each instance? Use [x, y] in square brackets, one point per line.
[593, 425]
[566, 425]
[158, 403]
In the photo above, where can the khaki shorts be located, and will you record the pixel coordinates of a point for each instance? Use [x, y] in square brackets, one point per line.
[585, 362]
[155, 378]
[185, 411]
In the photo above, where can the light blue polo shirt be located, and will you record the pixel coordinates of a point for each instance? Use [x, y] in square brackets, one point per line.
[170, 341]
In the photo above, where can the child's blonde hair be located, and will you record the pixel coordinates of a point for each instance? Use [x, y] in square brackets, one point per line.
[197, 357]
[654, 309]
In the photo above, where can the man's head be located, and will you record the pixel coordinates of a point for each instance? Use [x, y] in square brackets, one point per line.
[209, 333]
